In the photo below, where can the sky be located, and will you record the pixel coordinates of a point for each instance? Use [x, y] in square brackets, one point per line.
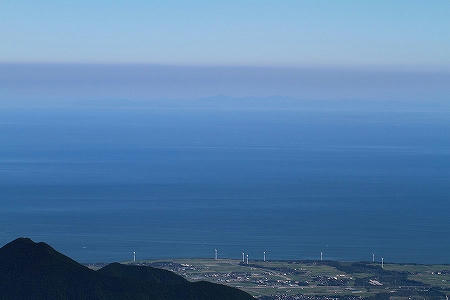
[82, 50]
[406, 33]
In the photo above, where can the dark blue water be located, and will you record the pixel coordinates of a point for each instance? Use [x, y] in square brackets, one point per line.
[100, 182]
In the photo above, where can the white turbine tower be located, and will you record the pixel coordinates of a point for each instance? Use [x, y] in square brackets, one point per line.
[215, 254]
[382, 262]
[247, 259]
[134, 256]
[264, 255]
[321, 255]
[243, 259]
[373, 257]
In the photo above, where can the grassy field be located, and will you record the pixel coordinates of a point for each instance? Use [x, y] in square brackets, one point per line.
[316, 279]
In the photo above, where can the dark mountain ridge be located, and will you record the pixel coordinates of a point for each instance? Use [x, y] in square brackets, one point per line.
[30, 270]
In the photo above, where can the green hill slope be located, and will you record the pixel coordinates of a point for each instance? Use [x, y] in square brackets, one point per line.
[30, 270]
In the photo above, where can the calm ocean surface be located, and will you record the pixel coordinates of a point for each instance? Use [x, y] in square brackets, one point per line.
[99, 182]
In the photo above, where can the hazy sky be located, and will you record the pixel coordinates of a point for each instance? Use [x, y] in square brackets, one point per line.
[260, 32]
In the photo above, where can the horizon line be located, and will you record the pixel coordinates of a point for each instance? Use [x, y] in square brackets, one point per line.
[325, 66]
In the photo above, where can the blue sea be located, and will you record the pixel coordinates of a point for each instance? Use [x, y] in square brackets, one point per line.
[100, 181]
